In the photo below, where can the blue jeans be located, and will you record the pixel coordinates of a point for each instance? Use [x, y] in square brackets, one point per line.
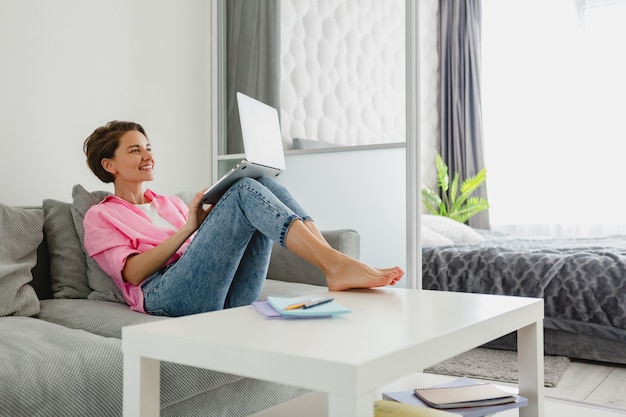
[226, 263]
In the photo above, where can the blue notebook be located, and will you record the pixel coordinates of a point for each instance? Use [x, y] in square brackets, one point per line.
[332, 308]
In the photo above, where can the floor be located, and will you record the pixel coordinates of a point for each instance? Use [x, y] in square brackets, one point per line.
[586, 390]
[592, 383]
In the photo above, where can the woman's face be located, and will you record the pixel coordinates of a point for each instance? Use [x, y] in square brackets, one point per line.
[133, 159]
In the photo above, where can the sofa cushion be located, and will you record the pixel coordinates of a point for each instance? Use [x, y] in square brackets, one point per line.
[21, 232]
[107, 318]
[103, 288]
[46, 369]
[277, 288]
[68, 268]
[104, 318]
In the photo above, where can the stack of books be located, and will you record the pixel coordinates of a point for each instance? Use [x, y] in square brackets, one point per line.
[465, 396]
[299, 308]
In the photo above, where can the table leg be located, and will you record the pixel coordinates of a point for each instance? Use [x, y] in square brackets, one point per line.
[142, 380]
[530, 368]
[341, 406]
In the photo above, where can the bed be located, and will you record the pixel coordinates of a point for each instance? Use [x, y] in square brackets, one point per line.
[582, 282]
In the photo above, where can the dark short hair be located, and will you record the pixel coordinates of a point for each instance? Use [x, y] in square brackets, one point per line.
[102, 144]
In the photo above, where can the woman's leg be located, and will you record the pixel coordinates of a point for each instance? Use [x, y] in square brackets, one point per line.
[248, 281]
[227, 261]
[232, 249]
[306, 241]
[285, 196]
[342, 272]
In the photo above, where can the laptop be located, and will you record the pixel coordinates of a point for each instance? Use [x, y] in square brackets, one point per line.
[262, 144]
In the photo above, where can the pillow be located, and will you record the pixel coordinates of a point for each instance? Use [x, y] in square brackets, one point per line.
[21, 232]
[431, 238]
[68, 268]
[453, 230]
[102, 286]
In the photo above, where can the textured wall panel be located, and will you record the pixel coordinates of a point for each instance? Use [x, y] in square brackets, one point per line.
[342, 76]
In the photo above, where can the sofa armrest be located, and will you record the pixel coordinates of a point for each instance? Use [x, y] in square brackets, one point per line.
[286, 266]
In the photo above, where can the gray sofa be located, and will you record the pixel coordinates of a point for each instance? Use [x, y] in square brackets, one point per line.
[61, 321]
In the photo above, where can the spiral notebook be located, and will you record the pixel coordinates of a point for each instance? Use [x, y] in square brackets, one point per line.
[409, 397]
[469, 395]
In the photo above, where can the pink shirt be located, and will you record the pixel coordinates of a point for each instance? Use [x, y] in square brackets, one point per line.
[116, 229]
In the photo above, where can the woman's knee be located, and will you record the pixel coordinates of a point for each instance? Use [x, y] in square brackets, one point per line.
[242, 185]
[268, 182]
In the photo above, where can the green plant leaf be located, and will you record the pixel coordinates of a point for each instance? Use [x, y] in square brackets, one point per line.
[468, 187]
[460, 207]
[474, 206]
[453, 189]
[472, 183]
[442, 173]
[431, 200]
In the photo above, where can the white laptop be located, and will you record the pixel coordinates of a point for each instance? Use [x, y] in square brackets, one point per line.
[262, 144]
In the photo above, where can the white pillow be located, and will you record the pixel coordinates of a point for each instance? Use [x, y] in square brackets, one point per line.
[432, 238]
[453, 230]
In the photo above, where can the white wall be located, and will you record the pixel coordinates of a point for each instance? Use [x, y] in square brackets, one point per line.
[69, 66]
[361, 189]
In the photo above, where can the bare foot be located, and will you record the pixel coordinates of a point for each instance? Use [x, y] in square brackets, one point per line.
[351, 273]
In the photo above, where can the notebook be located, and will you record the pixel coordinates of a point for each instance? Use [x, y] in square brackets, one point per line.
[410, 397]
[262, 144]
[471, 395]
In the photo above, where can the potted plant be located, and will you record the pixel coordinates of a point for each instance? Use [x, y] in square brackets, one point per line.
[460, 207]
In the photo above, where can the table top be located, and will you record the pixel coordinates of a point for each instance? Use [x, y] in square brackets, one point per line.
[389, 333]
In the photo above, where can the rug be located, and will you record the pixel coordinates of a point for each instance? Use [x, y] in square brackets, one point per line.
[497, 365]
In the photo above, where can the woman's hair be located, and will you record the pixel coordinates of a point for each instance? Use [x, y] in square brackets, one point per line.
[102, 144]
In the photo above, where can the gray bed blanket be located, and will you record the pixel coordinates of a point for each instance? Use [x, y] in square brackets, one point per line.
[582, 281]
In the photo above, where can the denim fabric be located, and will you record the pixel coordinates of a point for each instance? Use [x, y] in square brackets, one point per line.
[227, 261]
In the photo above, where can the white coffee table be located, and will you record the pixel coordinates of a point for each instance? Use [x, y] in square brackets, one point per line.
[389, 334]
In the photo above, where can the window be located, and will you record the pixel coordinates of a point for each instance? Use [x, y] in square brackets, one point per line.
[553, 97]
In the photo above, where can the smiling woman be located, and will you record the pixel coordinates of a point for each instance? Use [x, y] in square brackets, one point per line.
[172, 259]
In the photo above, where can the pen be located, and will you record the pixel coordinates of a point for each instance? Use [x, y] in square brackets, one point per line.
[318, 301]
[309, 303]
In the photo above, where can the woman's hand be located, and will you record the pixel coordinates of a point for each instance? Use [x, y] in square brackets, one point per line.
[141, 266]
[197, 211]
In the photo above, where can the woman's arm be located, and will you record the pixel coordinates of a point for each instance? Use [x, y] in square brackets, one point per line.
[140, 266]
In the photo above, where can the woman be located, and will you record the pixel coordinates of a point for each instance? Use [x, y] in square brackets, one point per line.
[174, 260]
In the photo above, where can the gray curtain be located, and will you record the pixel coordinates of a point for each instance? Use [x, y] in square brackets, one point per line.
[253, 59]
[461, 141]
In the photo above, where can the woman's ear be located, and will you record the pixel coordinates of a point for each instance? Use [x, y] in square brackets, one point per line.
[108, 165]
